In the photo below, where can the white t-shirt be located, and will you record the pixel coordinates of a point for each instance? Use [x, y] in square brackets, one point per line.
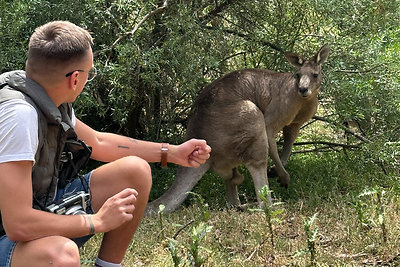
[19, 131]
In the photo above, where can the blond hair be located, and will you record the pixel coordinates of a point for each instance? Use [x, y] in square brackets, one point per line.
[55, 43]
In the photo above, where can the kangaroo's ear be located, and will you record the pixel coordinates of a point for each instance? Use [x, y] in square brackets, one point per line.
[322, 55]
[294, 59]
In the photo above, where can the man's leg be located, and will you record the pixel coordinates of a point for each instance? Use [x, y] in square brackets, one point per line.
[47, 251]
[106, 181]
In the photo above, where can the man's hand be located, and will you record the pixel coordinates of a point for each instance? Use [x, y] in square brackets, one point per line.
[115, 211]
[191, 153]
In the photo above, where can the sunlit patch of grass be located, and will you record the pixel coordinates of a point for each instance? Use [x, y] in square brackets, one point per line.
[237, 238]
[322, 184]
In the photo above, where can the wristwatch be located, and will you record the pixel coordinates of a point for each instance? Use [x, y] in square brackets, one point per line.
[164, 154]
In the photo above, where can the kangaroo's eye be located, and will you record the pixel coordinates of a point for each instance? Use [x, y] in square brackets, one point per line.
[315, 75]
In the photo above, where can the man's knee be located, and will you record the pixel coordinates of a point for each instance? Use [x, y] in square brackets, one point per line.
[136, 170]
[66, 253]
[48, 251]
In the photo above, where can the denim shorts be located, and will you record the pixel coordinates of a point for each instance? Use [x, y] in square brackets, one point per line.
[7, 246]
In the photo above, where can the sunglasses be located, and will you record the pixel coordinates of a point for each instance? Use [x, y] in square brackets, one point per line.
[91, 73]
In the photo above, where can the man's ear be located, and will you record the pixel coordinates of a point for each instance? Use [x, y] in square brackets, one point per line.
[73, 80]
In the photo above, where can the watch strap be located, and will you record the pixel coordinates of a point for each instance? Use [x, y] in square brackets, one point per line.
[164, 155]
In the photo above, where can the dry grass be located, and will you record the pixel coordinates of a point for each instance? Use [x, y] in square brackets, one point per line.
[325, 184]
[240, 238]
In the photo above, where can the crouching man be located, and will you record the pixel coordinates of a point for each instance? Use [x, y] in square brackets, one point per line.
[37, 124]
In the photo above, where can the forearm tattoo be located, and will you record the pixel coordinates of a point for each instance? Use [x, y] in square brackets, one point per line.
[133, 140]
[127, 147]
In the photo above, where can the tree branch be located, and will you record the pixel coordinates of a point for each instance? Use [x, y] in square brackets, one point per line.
[360, 71]
[247, 37]
[328, 144]
[347, 130]
[124, 35]
[216, 11]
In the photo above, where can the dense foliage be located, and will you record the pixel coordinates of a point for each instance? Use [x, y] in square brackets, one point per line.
[154, 56]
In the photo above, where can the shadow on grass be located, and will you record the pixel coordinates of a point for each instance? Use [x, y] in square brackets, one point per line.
[315, 178]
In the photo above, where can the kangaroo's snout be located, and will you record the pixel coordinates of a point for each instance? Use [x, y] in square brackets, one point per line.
[303, 91]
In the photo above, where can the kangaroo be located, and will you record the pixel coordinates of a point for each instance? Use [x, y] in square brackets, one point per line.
[240, 115]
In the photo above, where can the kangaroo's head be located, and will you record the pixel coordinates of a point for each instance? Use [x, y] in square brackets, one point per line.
[308, 76]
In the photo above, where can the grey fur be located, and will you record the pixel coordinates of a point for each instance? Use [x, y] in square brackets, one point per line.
[240, 115]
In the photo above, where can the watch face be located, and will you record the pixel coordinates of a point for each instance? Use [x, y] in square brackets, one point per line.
[164, 147]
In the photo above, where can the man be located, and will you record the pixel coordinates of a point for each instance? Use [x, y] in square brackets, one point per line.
[35, 121]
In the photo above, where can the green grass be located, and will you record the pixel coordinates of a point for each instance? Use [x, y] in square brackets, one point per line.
[326, 184]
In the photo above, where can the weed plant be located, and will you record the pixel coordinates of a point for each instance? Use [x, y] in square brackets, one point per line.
[270, 210]
[311, 232]
[371, 212]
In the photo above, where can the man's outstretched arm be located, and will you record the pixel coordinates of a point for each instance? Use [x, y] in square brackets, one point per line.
[108, 147]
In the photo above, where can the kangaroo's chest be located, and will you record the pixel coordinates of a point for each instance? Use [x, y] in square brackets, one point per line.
[282, 113]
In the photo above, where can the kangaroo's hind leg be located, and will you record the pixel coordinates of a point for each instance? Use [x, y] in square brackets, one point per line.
[253, 149]
[257, 165]
[232, 179]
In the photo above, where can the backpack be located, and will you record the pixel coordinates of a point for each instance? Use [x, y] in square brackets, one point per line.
[73, 159]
